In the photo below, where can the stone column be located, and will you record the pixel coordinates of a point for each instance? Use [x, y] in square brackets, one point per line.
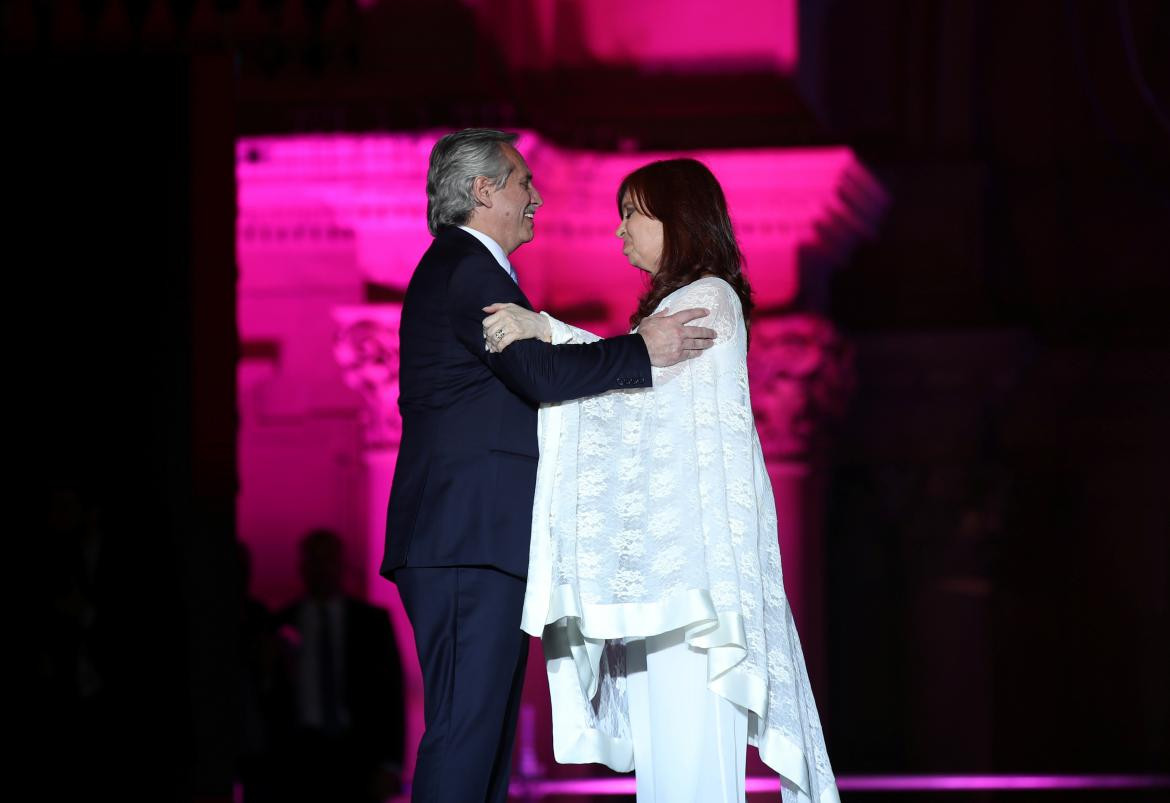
[801, 373]
[366, 348]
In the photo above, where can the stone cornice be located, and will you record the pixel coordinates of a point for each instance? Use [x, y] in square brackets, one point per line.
[372, 188]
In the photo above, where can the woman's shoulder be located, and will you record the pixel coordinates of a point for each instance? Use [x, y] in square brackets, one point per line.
[715, 295]
[707, 290]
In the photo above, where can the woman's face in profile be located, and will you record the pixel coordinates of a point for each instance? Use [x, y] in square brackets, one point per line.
[641, 236]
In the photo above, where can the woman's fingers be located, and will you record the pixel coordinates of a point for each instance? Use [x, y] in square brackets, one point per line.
[508, 323]
[497, 327]
[502, 314]
[496, 346]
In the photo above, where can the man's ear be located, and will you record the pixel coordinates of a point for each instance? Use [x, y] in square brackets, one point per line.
[481, 190]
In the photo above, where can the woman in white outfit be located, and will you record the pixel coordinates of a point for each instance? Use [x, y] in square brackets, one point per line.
[654, 577]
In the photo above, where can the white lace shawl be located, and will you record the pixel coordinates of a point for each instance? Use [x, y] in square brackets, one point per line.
[653, 511]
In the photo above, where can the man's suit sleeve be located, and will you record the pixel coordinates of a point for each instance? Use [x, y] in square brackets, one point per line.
[536, 370]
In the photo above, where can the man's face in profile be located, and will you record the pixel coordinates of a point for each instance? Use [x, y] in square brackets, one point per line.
[514, 205]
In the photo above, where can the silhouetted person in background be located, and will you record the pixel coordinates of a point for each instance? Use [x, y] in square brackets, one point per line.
[259, 704]
[344, 727]
[68, 625]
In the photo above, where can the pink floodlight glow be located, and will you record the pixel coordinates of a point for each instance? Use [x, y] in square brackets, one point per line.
[329, 230]
[625, 784]
[968, 783]
[698, 36]
[340, 211]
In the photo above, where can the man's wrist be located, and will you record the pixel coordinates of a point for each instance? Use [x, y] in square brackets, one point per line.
[646, 348]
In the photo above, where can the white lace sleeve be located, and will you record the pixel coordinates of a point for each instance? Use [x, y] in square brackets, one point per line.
[563, 333]
[555, 422]
[714, 295]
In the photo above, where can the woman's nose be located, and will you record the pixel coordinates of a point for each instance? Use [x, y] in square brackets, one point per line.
[621, 229]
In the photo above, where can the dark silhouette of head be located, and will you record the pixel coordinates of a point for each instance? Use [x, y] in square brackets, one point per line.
[698, 239]
[322, 565]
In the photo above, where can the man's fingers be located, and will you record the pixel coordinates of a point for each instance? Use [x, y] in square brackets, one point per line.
[687, 315]
[695, 344]
[700, 333]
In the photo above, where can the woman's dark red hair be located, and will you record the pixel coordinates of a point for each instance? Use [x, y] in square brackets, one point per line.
[697, 237]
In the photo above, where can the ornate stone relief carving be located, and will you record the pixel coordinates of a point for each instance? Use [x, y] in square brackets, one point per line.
[366, 348]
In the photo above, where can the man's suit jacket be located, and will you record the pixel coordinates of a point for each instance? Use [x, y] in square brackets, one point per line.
[466, 472]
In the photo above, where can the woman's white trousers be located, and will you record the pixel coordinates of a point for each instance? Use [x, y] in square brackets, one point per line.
[690, 744]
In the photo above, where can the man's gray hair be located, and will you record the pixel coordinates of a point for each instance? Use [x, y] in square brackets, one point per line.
[456, 160]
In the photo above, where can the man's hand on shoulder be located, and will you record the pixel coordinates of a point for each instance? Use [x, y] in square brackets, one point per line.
[669, 340]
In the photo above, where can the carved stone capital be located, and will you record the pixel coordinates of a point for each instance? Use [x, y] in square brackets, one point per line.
[366, 348]
[801, 378]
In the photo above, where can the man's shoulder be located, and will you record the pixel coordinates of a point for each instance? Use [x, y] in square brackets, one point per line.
[454, 243]
[452, 256]
[454, 251]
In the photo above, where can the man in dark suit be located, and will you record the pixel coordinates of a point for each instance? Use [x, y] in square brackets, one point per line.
[342, 689]
[460, 510]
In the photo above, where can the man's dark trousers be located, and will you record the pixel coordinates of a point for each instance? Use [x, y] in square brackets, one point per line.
[466, 628]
